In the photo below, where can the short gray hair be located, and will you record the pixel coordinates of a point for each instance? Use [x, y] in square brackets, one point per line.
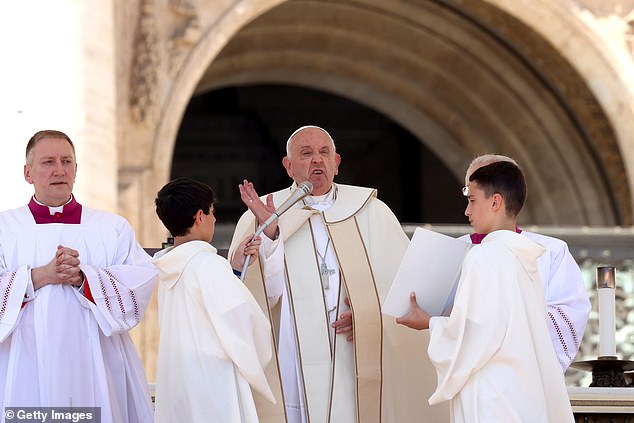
[487, 159]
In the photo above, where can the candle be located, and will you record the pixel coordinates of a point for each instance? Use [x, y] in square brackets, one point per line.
[607, 311]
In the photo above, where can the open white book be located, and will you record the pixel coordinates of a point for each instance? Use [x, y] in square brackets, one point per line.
[431, 268]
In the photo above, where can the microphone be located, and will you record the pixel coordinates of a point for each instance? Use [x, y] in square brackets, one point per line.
[302, 191]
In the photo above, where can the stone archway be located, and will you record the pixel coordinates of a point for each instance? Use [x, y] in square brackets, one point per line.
[447, 78]
[467, 79]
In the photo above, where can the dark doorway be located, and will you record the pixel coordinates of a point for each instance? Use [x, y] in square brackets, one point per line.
[234, 133]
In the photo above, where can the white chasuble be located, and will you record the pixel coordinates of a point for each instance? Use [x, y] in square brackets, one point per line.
[383, 375]
[59, 349]
[493, 354]
[215, 340]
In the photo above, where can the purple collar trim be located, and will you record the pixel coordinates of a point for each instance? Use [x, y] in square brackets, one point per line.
[477, 238]
[70, 214]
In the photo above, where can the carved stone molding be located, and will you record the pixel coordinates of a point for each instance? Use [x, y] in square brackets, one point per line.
[629, 34]
[624, 10]
[186, 32]
[602, 8]
[145, 65]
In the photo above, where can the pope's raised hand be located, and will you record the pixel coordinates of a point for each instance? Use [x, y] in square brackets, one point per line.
[261, 211]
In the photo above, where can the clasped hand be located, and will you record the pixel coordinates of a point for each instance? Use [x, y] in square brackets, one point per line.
[62, 269]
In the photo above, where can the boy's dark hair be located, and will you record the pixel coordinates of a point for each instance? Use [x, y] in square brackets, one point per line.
[178, 202]
[503, 178]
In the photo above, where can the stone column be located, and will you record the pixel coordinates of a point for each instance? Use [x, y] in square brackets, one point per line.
[59, 74]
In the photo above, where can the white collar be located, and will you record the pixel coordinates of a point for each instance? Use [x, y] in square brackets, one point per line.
[52, 210]
[321, 202]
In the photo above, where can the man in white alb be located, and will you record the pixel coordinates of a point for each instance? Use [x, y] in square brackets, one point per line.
[565, 291]
[326, 267]
[73, 281]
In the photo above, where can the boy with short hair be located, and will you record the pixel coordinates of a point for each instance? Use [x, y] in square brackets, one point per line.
[567, 302]
[493, 355]
[214, 338]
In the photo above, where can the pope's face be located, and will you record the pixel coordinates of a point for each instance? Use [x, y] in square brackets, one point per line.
[312, 157]
[51, 168]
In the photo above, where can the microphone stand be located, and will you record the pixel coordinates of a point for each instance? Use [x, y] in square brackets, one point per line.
[258, 231]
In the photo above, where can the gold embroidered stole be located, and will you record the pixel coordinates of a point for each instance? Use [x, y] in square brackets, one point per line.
[356, 275]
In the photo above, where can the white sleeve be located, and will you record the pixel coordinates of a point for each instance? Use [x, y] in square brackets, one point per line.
[272, 256]
[242, 328]
[567, 303]
[463, 343]
[16, 288]
[123, 287]
[15, 285]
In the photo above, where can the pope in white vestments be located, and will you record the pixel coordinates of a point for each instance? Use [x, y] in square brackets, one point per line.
[73, 282]
[214, 343]
[334, 260]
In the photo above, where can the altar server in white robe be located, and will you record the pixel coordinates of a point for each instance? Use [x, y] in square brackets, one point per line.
[568, 305]
[214, 338]
[325, 268]
[493, 355]
[73, 282]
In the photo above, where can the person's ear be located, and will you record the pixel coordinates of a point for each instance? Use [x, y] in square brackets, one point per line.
[288, 166]
[27, 174]
[497, 201]
[198, 217]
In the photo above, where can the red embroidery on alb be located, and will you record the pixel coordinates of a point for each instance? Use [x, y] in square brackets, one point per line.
[106, 298]
[5, 295]
[566, 319]
[559, 335]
